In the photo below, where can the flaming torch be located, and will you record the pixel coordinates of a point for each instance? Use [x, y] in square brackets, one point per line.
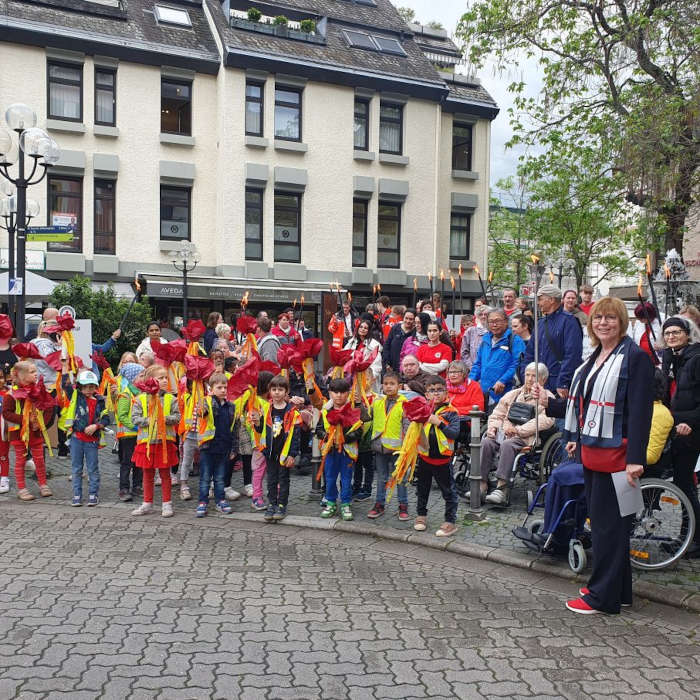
[137, 294]
[481, 282]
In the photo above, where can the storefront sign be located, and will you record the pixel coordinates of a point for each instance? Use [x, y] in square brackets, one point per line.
[34, 259]
[173, 290]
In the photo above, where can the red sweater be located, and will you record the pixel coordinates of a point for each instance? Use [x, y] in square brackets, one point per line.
[465, 396]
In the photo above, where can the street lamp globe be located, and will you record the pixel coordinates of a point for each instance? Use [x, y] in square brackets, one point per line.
[6, 188]
[50, 150]
[11, 204]
[33, 208]
[4, 210]
[20, 116]
[31, 141]
[5, 141]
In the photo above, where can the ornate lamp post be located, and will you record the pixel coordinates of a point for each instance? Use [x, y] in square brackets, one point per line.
[185, 260]
[44, 152]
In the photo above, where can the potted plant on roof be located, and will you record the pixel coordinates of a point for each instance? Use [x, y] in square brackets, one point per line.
[281, 28]
[254, 14]
[308, 26]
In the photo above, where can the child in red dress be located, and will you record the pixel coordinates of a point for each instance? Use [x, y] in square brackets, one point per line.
[156, 416]
[4, 441]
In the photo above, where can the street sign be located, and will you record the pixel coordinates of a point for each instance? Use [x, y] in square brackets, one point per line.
[67, 310]
[15, 286]
[53, 234]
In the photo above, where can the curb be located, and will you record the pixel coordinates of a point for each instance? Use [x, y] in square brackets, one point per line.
[676, 598]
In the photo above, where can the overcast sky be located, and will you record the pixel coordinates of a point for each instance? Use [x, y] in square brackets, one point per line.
[448, 12]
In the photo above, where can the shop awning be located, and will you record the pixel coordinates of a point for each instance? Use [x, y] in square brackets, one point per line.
[37, 288]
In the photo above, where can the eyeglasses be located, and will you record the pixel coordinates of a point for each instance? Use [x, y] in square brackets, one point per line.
[610, 318]
[672, 334]
[438, 390]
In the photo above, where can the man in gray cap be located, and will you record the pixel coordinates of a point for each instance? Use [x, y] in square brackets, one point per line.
[560, 341]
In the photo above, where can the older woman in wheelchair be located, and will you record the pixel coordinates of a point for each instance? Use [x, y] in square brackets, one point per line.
[512, 427]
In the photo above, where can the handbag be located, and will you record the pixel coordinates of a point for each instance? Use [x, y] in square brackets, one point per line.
[520, 413]
[605, 459]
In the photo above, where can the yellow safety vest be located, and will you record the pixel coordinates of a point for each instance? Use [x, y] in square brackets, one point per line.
[350, 448]
[68, 417]
[122, 430]
[388, 426]
[206, 424]
[142, 433]
[291, 420]
[445, 445]
[240, 403]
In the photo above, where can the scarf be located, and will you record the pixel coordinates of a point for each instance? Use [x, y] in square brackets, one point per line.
[594, 409]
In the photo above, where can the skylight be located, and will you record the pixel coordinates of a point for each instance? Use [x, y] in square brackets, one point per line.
[389, 45]
[172, 15]
[372, 42]
[360, 40]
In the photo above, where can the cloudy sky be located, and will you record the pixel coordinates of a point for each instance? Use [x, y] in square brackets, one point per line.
[448, 12]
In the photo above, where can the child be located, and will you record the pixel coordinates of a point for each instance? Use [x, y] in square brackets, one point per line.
[435, 449]
[4, 442]
[27, 435]
[281, 443]
[658, 457]
[339, 460]
[130, 478]
[388, 430]
[155, 416]
[189, 444]
[85, 418]
[217, 439]
[364, 467]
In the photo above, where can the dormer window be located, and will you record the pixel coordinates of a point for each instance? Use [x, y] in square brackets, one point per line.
[172, 15]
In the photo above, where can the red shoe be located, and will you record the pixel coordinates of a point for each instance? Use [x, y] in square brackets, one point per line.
[403, 511]
[585, 591]
[581, 606]
[376, 512]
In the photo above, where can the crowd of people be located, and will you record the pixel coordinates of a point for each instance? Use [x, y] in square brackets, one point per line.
[248, 397]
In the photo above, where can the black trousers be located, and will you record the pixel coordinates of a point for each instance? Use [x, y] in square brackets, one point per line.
[277, 483]
[364, 471]
[126, 448]
[684, 457]
[247, 461]
[442, 473]
[610, 583]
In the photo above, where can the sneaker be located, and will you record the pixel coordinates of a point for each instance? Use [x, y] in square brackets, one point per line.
[257, 504]
[174, 480]
[157, 481]
[403, 512]
[201, 510]
[143, 509]
[362, 495]
[93, 500]
[76, 502]
[581, 607]
[446, 530]
[329, 510]
[419, 523]
[4, 484]
[25, 495]
[232, 494]
[45, 491]
[185, 494]
[167, 509]
[270, 513]
[224, 507]
[376, 512]
[280, 513]
[584, 591]
[248, 490]
[125, 496]
[346, 511]
[468, 496]
[497, 497]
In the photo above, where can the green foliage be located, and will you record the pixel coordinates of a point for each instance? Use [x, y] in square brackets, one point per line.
[106, 312]
[407, 14]
[308, 26]
[280, 21]
[434, 24]
[254, 14]
[622, 77]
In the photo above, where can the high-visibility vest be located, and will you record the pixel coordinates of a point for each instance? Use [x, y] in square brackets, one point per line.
[445, 444]
[291, 420]
[122, 430]
[142, 433]
[388, 426]
[68, 416]
[206, 424]
[350, 448]
[240, 405]
[18, 411]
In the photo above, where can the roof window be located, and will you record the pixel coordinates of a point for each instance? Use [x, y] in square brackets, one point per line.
[373, 42]
[360, 40]
[172, 15]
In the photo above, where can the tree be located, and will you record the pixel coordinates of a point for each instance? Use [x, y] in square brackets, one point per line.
[407, 14]
[621, 74]
[434, 24]
[106, 311]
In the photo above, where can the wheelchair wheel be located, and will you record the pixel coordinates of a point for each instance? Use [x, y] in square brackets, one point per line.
[577, 556]
[461, 472]
[664, 528]
[552, 455]
[536, 526]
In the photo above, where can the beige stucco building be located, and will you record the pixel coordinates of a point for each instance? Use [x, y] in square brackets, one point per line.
[348, 152]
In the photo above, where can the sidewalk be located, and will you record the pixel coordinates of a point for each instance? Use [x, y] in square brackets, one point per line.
[490, 539]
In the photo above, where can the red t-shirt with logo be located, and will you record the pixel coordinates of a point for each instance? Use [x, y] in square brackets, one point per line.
[432, 354]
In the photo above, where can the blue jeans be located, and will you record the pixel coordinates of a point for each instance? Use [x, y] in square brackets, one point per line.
[338, 463]
[84, 451]
[384, 465]
[212, 466]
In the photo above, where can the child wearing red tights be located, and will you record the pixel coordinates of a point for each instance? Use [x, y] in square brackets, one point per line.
[25, 428]
[155, 416]
[4, 442]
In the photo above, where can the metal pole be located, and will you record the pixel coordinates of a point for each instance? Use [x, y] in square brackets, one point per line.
[184, 292]
[11, 267]
[476, 512]
[21, 185]
[537, 346]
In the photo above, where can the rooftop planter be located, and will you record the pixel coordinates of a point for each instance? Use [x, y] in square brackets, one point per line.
[281, 30]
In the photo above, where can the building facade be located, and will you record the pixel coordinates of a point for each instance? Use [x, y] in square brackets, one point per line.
[296, 144]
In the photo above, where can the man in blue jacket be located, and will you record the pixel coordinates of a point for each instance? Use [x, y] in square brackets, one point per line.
[497, 358]
[560, 341]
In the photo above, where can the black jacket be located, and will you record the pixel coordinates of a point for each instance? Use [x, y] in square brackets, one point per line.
[391, 353]
[684, 367]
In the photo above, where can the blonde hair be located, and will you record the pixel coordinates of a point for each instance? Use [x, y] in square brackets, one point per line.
[223, 330]
[217, 378]
[126, 358]
[155, 370]
[605, 306]
[22, 367]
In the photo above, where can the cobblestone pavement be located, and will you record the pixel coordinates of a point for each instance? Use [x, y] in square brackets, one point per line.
[98, 605]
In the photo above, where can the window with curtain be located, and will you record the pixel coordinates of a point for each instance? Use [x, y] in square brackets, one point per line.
[459, 235]
[65, 208]
[361, 130]
[175, 213]
[253, 224]
[65, 86]
[461, 146]
[105, 96]
[390, 128]
[254, 108]
[105, 217]
[176, 108]
[287, 114]
[359, 233]
[287, 227]
[389, 235]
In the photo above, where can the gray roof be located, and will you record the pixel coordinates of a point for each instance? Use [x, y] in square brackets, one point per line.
[130, 31]
[469, 96]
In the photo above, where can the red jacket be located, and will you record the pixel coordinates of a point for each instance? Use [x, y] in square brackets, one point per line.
[465, 396]
[290, 338]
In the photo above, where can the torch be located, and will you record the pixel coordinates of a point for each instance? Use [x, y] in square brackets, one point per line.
[415, 291]
[430, 279]
[442, 292]
[493, 296]
[651, 287]
[481, 282]
[452, 283]
[379, 290]
[667, 271]
[461, 301]
[301, 312]
[137, 294]
[644, 307]
[340, 296]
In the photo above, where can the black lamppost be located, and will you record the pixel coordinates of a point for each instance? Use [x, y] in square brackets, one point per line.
[39, 146]
[185, 259]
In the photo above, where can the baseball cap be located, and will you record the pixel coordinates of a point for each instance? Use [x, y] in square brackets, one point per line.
[549, 290]
[86, 378]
